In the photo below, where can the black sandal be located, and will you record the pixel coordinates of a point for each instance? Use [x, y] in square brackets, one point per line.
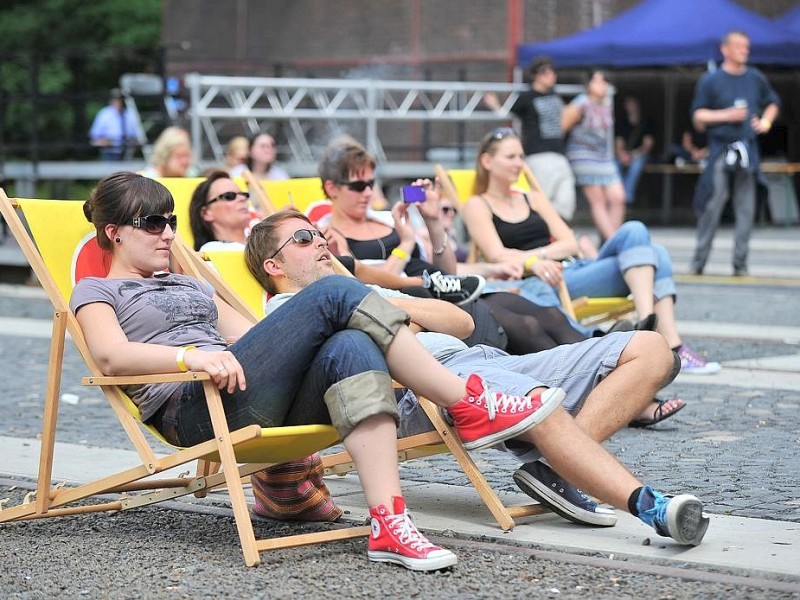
[659, 414]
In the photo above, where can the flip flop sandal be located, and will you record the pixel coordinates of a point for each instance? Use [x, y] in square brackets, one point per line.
[659, 414]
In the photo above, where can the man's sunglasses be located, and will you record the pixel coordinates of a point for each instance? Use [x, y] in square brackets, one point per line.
[155, 223]
[229, 197]
[358, 185]
[301, 237]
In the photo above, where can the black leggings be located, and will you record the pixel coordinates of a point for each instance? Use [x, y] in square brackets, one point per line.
[530, 327]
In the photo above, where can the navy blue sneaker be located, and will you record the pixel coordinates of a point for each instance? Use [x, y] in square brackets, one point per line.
[679, 517]
[541, 483]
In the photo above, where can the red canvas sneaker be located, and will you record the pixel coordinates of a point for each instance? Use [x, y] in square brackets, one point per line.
[395, 538]
[483, 417]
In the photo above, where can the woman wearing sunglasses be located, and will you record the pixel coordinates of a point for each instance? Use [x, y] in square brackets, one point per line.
[387, 239]
[509, 225]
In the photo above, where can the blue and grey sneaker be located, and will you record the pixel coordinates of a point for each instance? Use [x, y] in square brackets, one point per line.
[679, 517]
[541, 483]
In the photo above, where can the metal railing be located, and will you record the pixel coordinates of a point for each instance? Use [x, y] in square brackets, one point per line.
[255, 103]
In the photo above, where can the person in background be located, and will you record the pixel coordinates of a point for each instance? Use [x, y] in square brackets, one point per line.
[694, 148]
[733, 105]
[115, 131]
[590, 122]
[633, 142]
[539, 111]
[172, 155]
[236, 152]
[262, 156]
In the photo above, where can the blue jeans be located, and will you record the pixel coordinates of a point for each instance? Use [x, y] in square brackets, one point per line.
[602, 277]
[325, 345]
[630, 176]
[629, 247]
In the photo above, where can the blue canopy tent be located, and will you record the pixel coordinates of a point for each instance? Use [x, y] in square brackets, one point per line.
[790, 20]
[669, 33]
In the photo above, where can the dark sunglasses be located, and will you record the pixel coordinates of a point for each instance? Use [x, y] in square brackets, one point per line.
[301, 237]
[155, 223]
[229, 197]
[358, 185]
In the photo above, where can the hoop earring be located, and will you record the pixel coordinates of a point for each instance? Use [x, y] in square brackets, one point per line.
[118, 240]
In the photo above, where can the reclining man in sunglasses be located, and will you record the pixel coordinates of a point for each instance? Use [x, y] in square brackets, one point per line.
[286, 254]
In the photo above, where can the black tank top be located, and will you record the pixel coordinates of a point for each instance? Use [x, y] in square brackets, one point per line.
[381, 248]
[530, 233]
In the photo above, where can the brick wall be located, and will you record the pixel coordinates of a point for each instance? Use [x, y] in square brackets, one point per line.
[411, 39]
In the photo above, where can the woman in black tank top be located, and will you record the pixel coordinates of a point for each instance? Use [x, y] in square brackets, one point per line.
[509, 225]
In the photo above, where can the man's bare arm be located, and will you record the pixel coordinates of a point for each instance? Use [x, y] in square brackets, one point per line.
[436, 315]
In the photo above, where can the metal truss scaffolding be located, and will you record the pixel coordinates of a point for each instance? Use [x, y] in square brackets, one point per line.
[313, 110]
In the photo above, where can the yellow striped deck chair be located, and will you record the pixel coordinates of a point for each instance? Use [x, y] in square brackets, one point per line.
[60, 247]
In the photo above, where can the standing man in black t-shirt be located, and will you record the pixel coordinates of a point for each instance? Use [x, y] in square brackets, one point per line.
[539, 111]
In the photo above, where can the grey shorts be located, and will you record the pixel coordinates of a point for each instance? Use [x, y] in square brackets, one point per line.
[576, 368]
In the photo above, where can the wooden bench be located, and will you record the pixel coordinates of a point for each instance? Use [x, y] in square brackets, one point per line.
[668, 171]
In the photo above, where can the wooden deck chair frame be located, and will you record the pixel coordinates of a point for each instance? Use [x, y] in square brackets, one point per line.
[589, 311]
[442, 439]
[252, 446]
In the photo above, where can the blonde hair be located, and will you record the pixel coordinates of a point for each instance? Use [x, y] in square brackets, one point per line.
[170, 139]
[238, 146]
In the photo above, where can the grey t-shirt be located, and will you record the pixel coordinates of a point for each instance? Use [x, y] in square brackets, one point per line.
[172, 310]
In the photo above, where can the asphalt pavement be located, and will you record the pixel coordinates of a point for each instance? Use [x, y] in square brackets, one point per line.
[736, 446]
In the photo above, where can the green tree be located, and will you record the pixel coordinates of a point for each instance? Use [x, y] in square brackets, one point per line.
[59, 58]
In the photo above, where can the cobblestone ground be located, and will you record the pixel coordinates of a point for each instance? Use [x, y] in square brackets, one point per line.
[735, 448]
[161, 553]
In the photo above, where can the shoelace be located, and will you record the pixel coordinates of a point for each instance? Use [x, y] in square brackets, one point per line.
[446, 284]
[690, 357]
[403, 527]
[503, 403]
